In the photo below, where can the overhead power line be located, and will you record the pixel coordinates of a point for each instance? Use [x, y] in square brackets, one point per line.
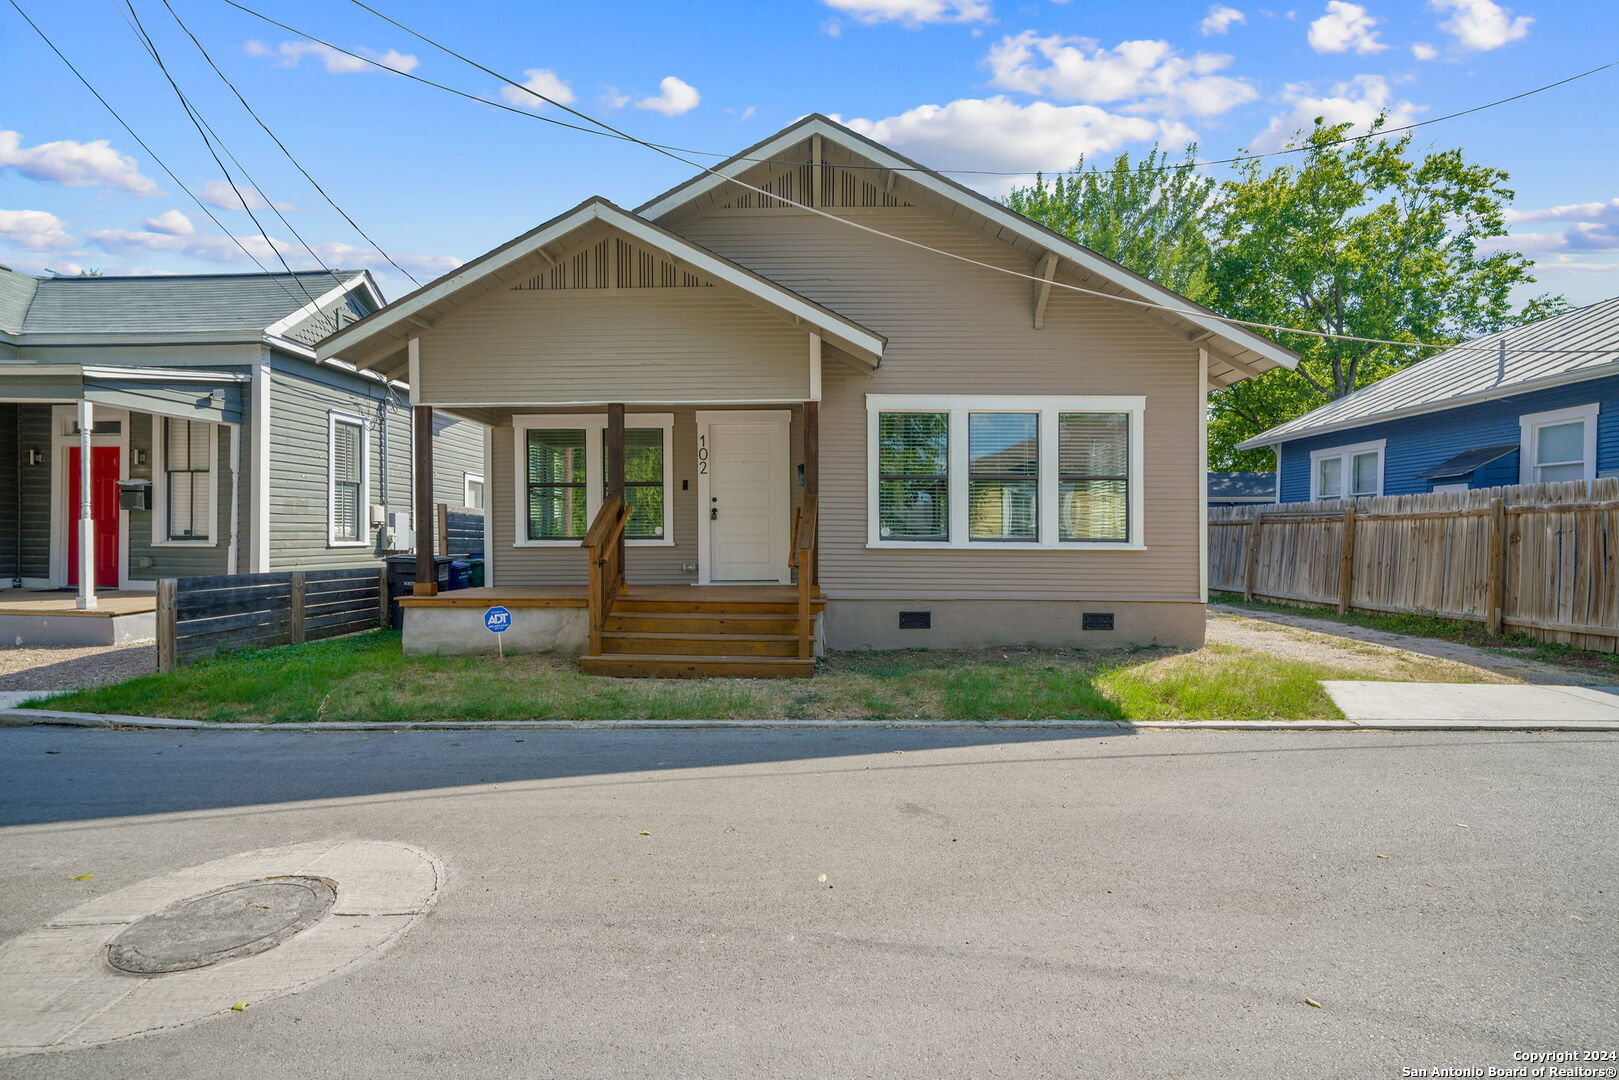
[1171, 308]
[289, 155]
[609, 133]
[152, 153]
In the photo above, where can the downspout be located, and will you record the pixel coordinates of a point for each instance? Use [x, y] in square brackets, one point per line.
[235, 495]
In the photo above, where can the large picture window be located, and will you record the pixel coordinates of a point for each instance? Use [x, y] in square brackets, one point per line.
[1004, 471]
[186, 504]
[562, 477]
[348, 464]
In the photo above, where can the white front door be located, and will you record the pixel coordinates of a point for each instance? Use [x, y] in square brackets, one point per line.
[743, 473]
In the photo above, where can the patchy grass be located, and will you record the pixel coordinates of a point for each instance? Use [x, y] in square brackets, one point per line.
[1420, 624]
[365, 677]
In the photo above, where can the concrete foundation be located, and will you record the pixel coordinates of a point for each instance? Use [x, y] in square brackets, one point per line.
[975, 624]
[72, 629]
[459, 631]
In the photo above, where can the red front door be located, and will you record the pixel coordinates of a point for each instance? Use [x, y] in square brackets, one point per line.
[104, 470]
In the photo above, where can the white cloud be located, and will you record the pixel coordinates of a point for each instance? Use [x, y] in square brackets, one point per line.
[1345, 27]
[1220, 19]
[613, 98]
[219, 193]
[1592, 226]
[999, 134]
[34, 230]
[675, 98]
[289, 53]
[1423, 51]
[74, 164]
[224, 249]
[1152, 75]
[172, 222]
[1588, 212]
[1481, 25]
[542, 81]
[913, 12]
[1357, 102]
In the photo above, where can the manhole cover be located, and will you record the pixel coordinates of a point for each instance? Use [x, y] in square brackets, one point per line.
[226, 924]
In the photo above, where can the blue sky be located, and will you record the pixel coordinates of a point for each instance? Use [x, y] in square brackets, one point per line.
[988, 84]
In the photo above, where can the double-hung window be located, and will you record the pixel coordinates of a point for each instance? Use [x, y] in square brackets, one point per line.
[562, 477]
[1004, 471]
[348, 464]
[1558, 445]
[472, 493]
[187, 450]
[1351, 472]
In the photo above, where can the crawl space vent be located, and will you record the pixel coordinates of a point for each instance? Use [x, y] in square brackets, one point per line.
[1096, 620]
[916, 620]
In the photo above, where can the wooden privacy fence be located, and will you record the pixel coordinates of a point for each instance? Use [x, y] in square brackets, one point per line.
[198, 616]
[1541, 559]
[459, 530]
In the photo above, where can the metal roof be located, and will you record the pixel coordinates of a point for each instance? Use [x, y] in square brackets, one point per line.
[166, 303]
[1248, 486]
[1465, 463]
[1495, 366]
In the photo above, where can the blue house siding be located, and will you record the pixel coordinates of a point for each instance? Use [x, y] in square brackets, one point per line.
[1418, 443]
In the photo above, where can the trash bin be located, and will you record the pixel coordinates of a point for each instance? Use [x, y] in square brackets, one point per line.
[475, 574]
[460, 572]
[402, 578]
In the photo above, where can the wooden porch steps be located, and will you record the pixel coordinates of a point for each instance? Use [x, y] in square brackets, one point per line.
[742, 636]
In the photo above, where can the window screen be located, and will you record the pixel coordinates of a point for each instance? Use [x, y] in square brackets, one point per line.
[1093, 465]
[556, 484]
[1003, 454]
[913, 481]
[187, 479]
[348, 449]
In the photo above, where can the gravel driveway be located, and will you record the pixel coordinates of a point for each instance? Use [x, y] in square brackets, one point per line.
[71, 667]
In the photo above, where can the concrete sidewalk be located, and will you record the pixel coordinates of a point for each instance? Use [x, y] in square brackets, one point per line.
[1382, 702]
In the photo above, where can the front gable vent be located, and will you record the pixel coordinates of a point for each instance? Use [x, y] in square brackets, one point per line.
[614, 263]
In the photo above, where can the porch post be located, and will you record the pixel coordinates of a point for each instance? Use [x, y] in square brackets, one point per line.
[422, 501]
[615, 467]
[812, 448]
[87, 525]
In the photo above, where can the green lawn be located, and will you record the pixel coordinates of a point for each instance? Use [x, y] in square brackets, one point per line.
[1419, 624]
[365, 677]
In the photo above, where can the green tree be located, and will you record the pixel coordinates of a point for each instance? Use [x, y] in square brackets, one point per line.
[1155, 217]
[1364, 239]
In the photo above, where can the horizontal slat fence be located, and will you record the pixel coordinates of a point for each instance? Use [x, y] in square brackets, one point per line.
[1540, 559]
[460, 530]
[198, 616]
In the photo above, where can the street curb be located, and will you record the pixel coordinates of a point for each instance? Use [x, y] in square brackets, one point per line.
[50, 717]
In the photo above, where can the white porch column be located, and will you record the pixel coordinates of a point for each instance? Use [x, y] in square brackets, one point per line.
[87, 525]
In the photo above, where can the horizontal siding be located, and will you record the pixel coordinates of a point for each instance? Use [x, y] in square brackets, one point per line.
[457, 451]
[643, 565]
[601, 344]
[1418, 443]
[958, 329]
[174, 561]
[10, 493]
[34, 433]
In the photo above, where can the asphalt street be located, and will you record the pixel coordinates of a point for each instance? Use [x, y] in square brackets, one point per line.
[996, 904]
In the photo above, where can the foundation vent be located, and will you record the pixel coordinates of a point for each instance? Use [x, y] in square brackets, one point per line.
[916, 620]
[1096, 620]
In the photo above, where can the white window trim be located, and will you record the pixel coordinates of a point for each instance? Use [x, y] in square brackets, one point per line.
[160, 486]
[1530, 423]
[1048, 408]
[1348, 454]
[332, 420]
[467, 480]
[592, 424]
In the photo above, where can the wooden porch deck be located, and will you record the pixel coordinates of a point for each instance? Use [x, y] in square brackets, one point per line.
[579, 595]
[109, 604]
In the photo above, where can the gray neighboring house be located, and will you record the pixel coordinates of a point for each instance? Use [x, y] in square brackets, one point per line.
[219, 443]
[1241, 488]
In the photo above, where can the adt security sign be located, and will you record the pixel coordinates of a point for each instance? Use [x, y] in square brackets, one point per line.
[498, 620]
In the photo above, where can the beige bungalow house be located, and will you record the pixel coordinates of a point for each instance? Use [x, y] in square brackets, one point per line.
[813, 397]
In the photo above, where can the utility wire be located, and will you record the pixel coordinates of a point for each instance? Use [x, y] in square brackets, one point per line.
[152, 153]
[273, 138]
[1173, 309]
[204, 132]
[899, 168]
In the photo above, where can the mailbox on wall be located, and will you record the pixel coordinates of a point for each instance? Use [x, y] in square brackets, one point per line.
[135, 495]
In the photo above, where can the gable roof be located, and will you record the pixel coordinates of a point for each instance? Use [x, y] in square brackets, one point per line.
[248, 305]
[1468, 462]
[1484, 369]
[1247, 352]
[376, 340]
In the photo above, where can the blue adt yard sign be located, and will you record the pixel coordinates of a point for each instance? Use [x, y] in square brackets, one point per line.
[497, 619]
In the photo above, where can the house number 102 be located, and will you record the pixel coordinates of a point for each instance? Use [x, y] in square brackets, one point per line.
[702, 454]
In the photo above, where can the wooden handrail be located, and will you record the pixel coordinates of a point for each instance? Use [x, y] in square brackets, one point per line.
[805, 549]
[605, 557]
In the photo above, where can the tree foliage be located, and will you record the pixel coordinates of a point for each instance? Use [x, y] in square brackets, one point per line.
[1363, 238]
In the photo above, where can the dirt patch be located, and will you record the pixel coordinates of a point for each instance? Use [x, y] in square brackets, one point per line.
[1389, 655]
[72, 667]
